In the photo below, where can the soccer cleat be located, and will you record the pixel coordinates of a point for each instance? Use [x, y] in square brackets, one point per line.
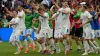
[97, 50]
[85, 54]
[30, 45]
[48, 51]
[79, 50]
[26, 51]
[66, 51]
[39, 50]
[34, 48]
[58, 51]
[52, 52]
[21, 48]
[16, 52]
[91, 51]
[71, 49]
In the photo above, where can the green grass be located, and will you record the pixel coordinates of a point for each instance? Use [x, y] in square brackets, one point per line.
[7, 50]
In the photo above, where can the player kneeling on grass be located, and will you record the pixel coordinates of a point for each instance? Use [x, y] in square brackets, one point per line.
[14, 38]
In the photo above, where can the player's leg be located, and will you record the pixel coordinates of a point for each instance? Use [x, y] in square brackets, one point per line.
[23, 33]
[29, 35]
[11, 40]
[66, 39]
[71, 35]
[98, 34]
[52, 45]
[42, 40]
[17, 41]
[85, 42]
[93, 43]
[78, 38]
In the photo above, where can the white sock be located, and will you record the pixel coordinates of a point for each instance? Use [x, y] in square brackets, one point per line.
[86, 46]
[13, 44]
[65, 44]
[92, 44]
[95, 43]
[17, 46]
[57, 46]
[48, 47]
[52, 44]
[39, 45]
[31, 40]
[26, 43]
[78, 46]
[20, 43]
[43, 46]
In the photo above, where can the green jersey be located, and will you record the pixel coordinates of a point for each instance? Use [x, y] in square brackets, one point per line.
[50, 22]
[4, 21]
[78, 14]
[36, 16]
[28, 21]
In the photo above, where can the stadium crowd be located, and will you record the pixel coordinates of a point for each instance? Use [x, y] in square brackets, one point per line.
[53, 21]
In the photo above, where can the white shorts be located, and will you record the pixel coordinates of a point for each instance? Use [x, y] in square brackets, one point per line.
[51, 32]
[93, 34]
[15, 36]
[97, 33]
[45, 33]
[66, 30]
[36, 35]
[87, 33]
[58, 33]
[29, 31]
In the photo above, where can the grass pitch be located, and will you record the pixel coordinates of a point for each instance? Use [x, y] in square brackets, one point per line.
[7, 50]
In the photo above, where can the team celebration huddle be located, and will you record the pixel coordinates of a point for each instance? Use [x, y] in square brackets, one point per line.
[54, 23]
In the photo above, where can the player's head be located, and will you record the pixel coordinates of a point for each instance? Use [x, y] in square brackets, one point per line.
[64, 3]
[90, 9]
[20, 7]
[40, 10]
[84, 7]
[15, 13]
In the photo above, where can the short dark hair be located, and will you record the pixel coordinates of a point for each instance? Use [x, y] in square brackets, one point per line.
[85, 7]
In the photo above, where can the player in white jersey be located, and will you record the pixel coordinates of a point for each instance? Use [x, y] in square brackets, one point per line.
[91, 9]
[14, 38]
[65, 10]
[87, 30]
[57, 32]
[21, 15]
[44, 28]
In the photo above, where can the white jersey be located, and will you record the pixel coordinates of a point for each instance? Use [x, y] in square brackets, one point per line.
[85, 18]
[44, 21]
[65, 17]
[17, 21]
[58, 20]
[87, 30]
[22, 14]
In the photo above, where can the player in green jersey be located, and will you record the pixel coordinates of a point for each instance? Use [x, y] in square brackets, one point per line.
[29, 30]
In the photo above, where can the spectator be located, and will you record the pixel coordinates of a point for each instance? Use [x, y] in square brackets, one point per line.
[4, 21]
